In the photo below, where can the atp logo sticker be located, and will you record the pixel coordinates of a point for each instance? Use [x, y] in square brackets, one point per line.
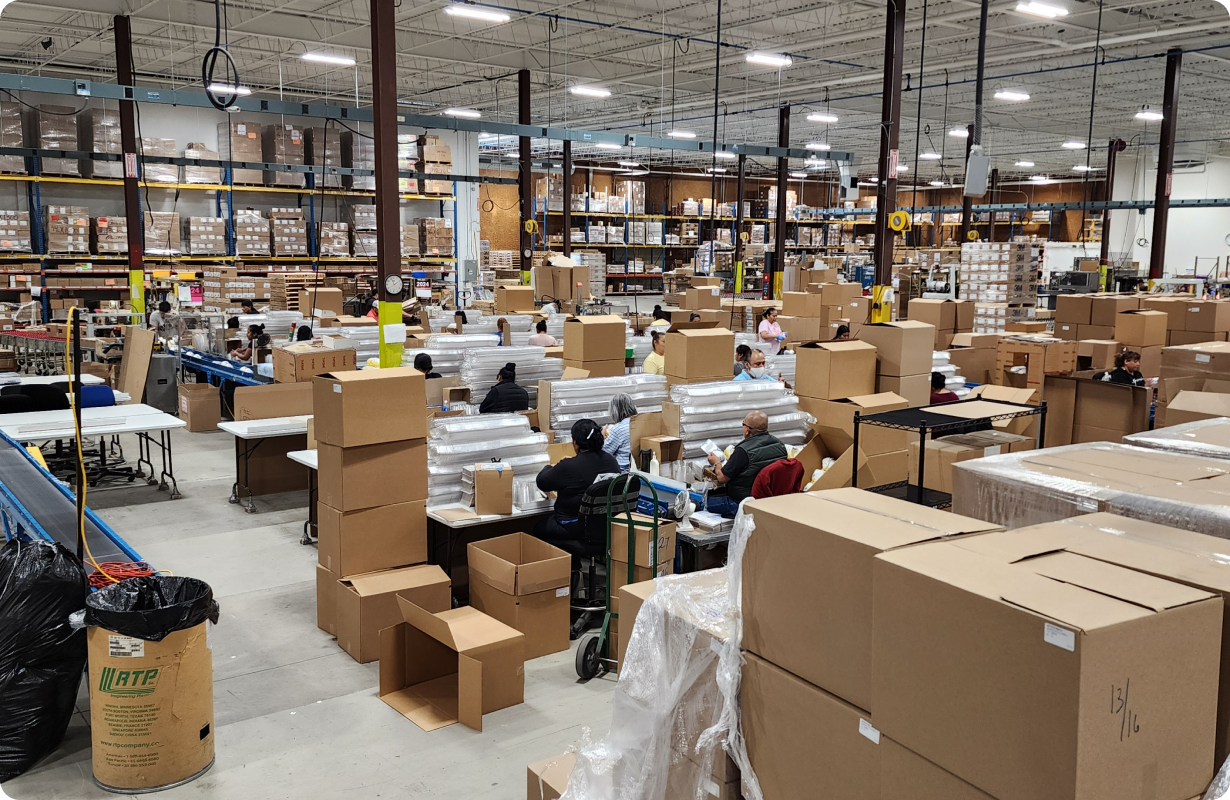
[128, 682]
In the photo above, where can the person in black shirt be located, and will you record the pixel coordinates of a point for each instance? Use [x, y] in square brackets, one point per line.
[506, 395]
[570, 478]
[422, 362]
[1126, 371]
[758, 450]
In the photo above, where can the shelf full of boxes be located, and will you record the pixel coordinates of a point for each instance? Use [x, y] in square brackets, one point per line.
[72, 249]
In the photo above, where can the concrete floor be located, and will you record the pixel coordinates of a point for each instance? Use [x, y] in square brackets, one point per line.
[295, 716]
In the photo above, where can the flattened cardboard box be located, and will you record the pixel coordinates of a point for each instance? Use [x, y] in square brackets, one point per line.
[370, 406]
[524, 583]
[367, 604]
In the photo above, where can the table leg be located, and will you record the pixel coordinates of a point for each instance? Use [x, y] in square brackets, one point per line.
[144, 456]
[168, 466]
[309, 527]
[250, 507]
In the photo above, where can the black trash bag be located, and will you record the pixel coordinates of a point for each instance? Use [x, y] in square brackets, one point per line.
[42, 658]
[152, 608]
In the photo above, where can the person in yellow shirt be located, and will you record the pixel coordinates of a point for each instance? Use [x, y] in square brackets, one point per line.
[655, 362]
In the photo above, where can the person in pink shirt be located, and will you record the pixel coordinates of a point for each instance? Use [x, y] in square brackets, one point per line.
[770, 332]
[541, 338]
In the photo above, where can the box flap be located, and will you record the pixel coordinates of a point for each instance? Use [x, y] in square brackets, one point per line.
[977, 409]
[462, 628]
[455, 514]
[884, 401]
[395, 580]
[910, 513]
[431, 705]
[1115, 581]
[470, 692]
[544, 566]
[573, 373]
[1211, 403]
[1006, 394]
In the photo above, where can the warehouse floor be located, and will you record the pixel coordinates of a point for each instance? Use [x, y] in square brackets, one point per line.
[295, 715]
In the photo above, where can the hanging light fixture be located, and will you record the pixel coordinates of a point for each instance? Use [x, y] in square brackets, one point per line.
[769, 59]
[472, 12]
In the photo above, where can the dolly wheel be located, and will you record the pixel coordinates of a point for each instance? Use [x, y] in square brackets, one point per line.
[587, 658]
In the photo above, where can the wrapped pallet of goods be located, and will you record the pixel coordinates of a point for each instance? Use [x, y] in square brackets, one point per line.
[283, 144]
[324, 150]
[51, 127]
[241, 141]
[98, 131]
[200, 175]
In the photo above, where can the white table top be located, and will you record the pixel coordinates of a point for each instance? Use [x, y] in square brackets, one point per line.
[28, 380]
[266, 428]
[120, 397]
[106, 421]
[305, 457]
[434, 513]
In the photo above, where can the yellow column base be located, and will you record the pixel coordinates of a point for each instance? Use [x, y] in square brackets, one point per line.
[738, 277]
[778, 278]
[136, 289]
[881, 308]
[390, 352]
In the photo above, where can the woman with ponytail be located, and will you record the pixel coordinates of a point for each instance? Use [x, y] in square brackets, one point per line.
[506, 395]
[570, 478]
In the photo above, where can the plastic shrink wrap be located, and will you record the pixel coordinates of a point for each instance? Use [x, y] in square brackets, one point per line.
[454, 443]
[1207, 437]
[480, 367]
[589, 398]
[715, 411]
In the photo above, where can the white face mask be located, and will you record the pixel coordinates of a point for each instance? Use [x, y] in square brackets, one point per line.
[756, 372]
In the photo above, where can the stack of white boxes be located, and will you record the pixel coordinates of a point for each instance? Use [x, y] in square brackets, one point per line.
[14, 231]
[289, 232]
[334, 240]
[251, 233]
[1002, 280]
[206, 236]
[363, 231]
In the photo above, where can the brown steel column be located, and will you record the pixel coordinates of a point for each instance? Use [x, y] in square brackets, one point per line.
[128, 145]
[967, 202]
[773, 283]
[567, 216]
[739, 194]
[992, 201]
[1165, 163]
[890, 130]
[388, 200]
[1112, 155]
[525, 175]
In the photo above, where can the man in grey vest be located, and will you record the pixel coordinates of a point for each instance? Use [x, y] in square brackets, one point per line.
[758, 450]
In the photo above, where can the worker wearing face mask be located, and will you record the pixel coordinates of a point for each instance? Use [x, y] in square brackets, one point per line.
[755, 369]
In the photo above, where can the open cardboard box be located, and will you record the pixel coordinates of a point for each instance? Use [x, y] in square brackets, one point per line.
[812, 457]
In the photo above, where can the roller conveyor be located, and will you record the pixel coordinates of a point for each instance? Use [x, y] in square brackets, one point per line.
[36, 505]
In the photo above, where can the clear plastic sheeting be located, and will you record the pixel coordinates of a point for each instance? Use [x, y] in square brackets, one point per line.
[480, 367]
[445, 362]
[364, 339]
[666, 698]
[715, 411]
[277, 324]
[518, 323]
[1219, 789]
[641, 346]
[455, 443]
[781, 367]
[1207, 437]
[589, 398]
[463, 341]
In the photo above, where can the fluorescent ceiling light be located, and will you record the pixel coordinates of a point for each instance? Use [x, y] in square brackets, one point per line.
[903, 168]
[769, 59]
[466, 113]
[682, 135]
[226, 88]
[609, 146]
[1012, 95]
[632, 164]
[814, 162]
[635, 172]
[1041, 9]
[1024, 163]
[326, 58]
[870, 184]
[1149, 115]
[473, 12]
[725, 156]
[937, 183]
[1040, 179]
[817, 146]
[1083, 168]
[591, 91]
[798, 174]
[716, 169]
[1073, 145]
[929, 156]
[828, 119]
[959, 133]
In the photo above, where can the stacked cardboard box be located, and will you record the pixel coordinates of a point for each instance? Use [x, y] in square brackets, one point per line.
[694, 356]
[437, 159]
[205, 175]
[903, 358]
[945, 451]
[409, 241]
[289, 235]
[371, 424]
[814, 316]
[597, 344]
[67, 229]
[110, 235]
[251, 233]
[1024, 361]
[363, 217]
[363, 243]
[334, 240]
[241, 141]
[15, 232]
[949, 317]
[974, 355]
[436, 236]
[11, 135]
[1091, 316]
[324, 149]
[524, 583]
[1001, 279]
[206, 236]
[155, 171]
[50, 127]
[283, 144]
[358, 152]
[98, 131]
[407, 160]
[1190, 369]
[217, 284]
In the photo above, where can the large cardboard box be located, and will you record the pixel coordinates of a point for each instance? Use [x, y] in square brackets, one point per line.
[835, 422]
[1074, 309]
[1083, 408]
[524, 583]
[548, 779]
[803, 742]
[273, 400]
[370, 406]
[354, 478]
[326, 600]
[1068, 330]
[367, 604]
[1095, 332]
[904, 773]
[599, 338]
[975, 364]
[707, 297]
[315, 300]
[942, 453]
[1207, 316]
[1190, 406]
[302, 361]
[454, 666]
[1175, 307]
[631, 597]
[902, 348]
[1105, 309]
[643, 554]
[1096, 354]
[1106, 674]
[940, 313]
[828, 541]
[696, 353]
[598, 369]
[511, 299]
[493, 488]
[200, 406]
[802, 304]
[803, 329]
[372, 539]
[916, 389]
[1141, 328]
[833, 370]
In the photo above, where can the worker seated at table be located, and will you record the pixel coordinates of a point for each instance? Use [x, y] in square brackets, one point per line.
[1126, 371]
[939, 392]
[843, 334]
[758, 450]
[247, 307]
[755, 369]
[303, 334]
[257, 338]
[506, 395]
[655, 362]
[570, 478]
[622, 409]
[422, 362]
[659, 319]
[541, 338]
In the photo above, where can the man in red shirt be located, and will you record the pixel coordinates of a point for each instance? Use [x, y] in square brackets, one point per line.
[938, 393]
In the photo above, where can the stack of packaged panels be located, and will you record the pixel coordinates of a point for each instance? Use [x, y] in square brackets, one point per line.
[283, 144]
[714, 412]
[207, 236]
[15, 232]
[409, 241]
[241, 141]
[251, 233]
[215, 283]
[110, 235]
[407, 159]
[289, 232]
[436, 236]
[98, 131]
[156, 171]
[437, 159]
[324, 150]
[200, 175]
[1002, 279]
[67, 229]
[358, 152]
[589, 398]
[458, 442]
[334, 240]
[363, 230]
[51, 127]
[480, 367]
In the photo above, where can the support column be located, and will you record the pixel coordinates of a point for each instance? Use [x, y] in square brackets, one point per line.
[1165, 163]
[388, 200]
[967, 202]
[525, 174]
[890, 130]
[128, 145]
[739, 247]
[567, 216]
[773, 281]
[1112, 155]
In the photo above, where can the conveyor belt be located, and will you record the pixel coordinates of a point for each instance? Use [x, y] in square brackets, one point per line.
[42, 507]
[220, 368]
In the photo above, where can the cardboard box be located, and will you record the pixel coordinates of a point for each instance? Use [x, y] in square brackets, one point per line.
[493, 490]
[1068, 330]
[942, 453]
[354, 478]
[976, 341]
[1105, 309]
[802, 329]
[975, 364]
[963, 641]
[1176, 338]
[902, 348]
[200, 406]
[833, 370]
[696, 353]
[370, 406]
[600, 338]
[598, 369]
[835, 422]
[1141, 328]
[904, 773]
[302, 361]
[631, 597]
[940, 313]
[1095, 332]
[704, 298]
[801, 304]
[665, 542]
[1207, 316]
[326, 600]
[273, 400]
[1189, 406]
[454, 666]
[372, 539]
[916, 389]
[524, 583]
[548, 779]
[315, 300]
[367, 604]
[1096, 354]
[1074, 309]
[510, 299]
[803, 742]
[828, 541]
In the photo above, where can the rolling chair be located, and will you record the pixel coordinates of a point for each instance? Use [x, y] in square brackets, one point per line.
[588, 598]
[15, 403]
[44, 397]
